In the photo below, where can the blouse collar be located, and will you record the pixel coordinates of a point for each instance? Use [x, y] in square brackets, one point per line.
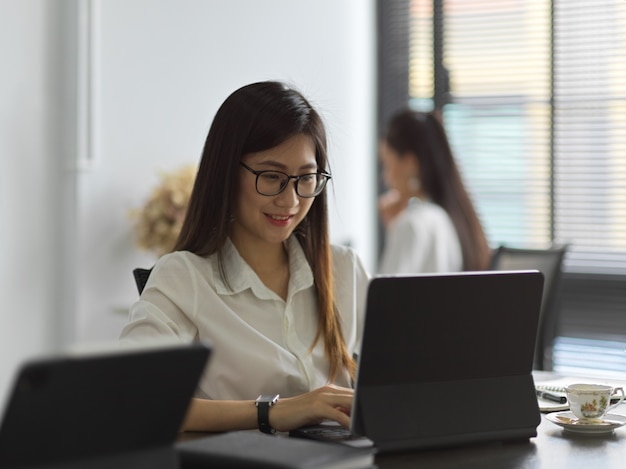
[240, 275]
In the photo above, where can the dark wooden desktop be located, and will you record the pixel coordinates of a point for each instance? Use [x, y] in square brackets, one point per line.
[552, 448]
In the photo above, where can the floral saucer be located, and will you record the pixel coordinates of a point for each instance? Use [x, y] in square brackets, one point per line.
[571, 423]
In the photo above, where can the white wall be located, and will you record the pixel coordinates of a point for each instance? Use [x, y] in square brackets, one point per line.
[164, 67]
[159, 71]
[33, 183]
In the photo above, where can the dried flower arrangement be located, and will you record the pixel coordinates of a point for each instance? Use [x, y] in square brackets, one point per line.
[158, 223]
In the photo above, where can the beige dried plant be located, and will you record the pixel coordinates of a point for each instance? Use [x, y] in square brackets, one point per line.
[158, 223]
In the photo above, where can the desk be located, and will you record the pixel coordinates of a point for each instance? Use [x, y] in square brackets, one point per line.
[552, 448]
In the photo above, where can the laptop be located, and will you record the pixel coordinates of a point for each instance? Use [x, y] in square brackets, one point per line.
[119, 409]
[446, 359]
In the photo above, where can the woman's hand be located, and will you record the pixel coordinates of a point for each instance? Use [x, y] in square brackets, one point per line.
[326, 403]
[390, 205]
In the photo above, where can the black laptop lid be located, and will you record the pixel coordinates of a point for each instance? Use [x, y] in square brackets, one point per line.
[90, 407]
[447, 358]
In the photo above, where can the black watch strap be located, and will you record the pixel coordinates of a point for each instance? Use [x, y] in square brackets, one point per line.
[263, 404]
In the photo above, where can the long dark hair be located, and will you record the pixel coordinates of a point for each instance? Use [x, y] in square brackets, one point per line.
[422, 134]
[255, 118]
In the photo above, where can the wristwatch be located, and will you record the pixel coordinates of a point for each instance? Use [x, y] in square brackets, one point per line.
[263, 404]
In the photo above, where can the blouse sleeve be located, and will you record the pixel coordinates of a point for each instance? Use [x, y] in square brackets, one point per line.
[165, 309]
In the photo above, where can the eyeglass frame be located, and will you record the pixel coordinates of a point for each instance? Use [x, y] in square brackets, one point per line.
[326, 175]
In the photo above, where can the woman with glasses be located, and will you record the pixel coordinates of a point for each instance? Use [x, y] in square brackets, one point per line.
[430, 221]
[253, 272]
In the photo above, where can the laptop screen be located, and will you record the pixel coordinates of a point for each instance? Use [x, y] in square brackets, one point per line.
[77, 407]
[442, 348]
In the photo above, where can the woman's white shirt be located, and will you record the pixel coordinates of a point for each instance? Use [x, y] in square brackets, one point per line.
[261, 343]
[421, 239]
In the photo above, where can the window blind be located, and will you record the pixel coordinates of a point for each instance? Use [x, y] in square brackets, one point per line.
[536, 117]
[590, 132]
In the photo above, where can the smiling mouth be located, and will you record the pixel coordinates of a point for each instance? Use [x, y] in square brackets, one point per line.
[279, 218]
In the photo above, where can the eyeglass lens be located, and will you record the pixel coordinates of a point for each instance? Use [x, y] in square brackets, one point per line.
[274, 182]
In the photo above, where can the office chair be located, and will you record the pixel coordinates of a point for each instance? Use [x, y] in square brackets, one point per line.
[141, 277]
[548, 261]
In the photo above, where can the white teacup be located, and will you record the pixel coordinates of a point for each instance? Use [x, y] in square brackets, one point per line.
[591, 401]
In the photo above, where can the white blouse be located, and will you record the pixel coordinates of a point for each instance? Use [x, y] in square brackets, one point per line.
[421, 239]
[261, 343]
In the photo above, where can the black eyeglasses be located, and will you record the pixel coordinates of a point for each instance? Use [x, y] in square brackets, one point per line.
[272, 182]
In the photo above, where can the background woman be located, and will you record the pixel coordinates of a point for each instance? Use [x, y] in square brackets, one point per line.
[430, 222]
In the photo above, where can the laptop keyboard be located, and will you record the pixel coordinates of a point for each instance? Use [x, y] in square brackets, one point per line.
[335, 434]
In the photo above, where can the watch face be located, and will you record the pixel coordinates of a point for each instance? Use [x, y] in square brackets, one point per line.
[263, 404]
[268, 398]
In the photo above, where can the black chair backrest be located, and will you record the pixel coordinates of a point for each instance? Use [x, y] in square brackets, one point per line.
[548, 261]
[141, 277]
